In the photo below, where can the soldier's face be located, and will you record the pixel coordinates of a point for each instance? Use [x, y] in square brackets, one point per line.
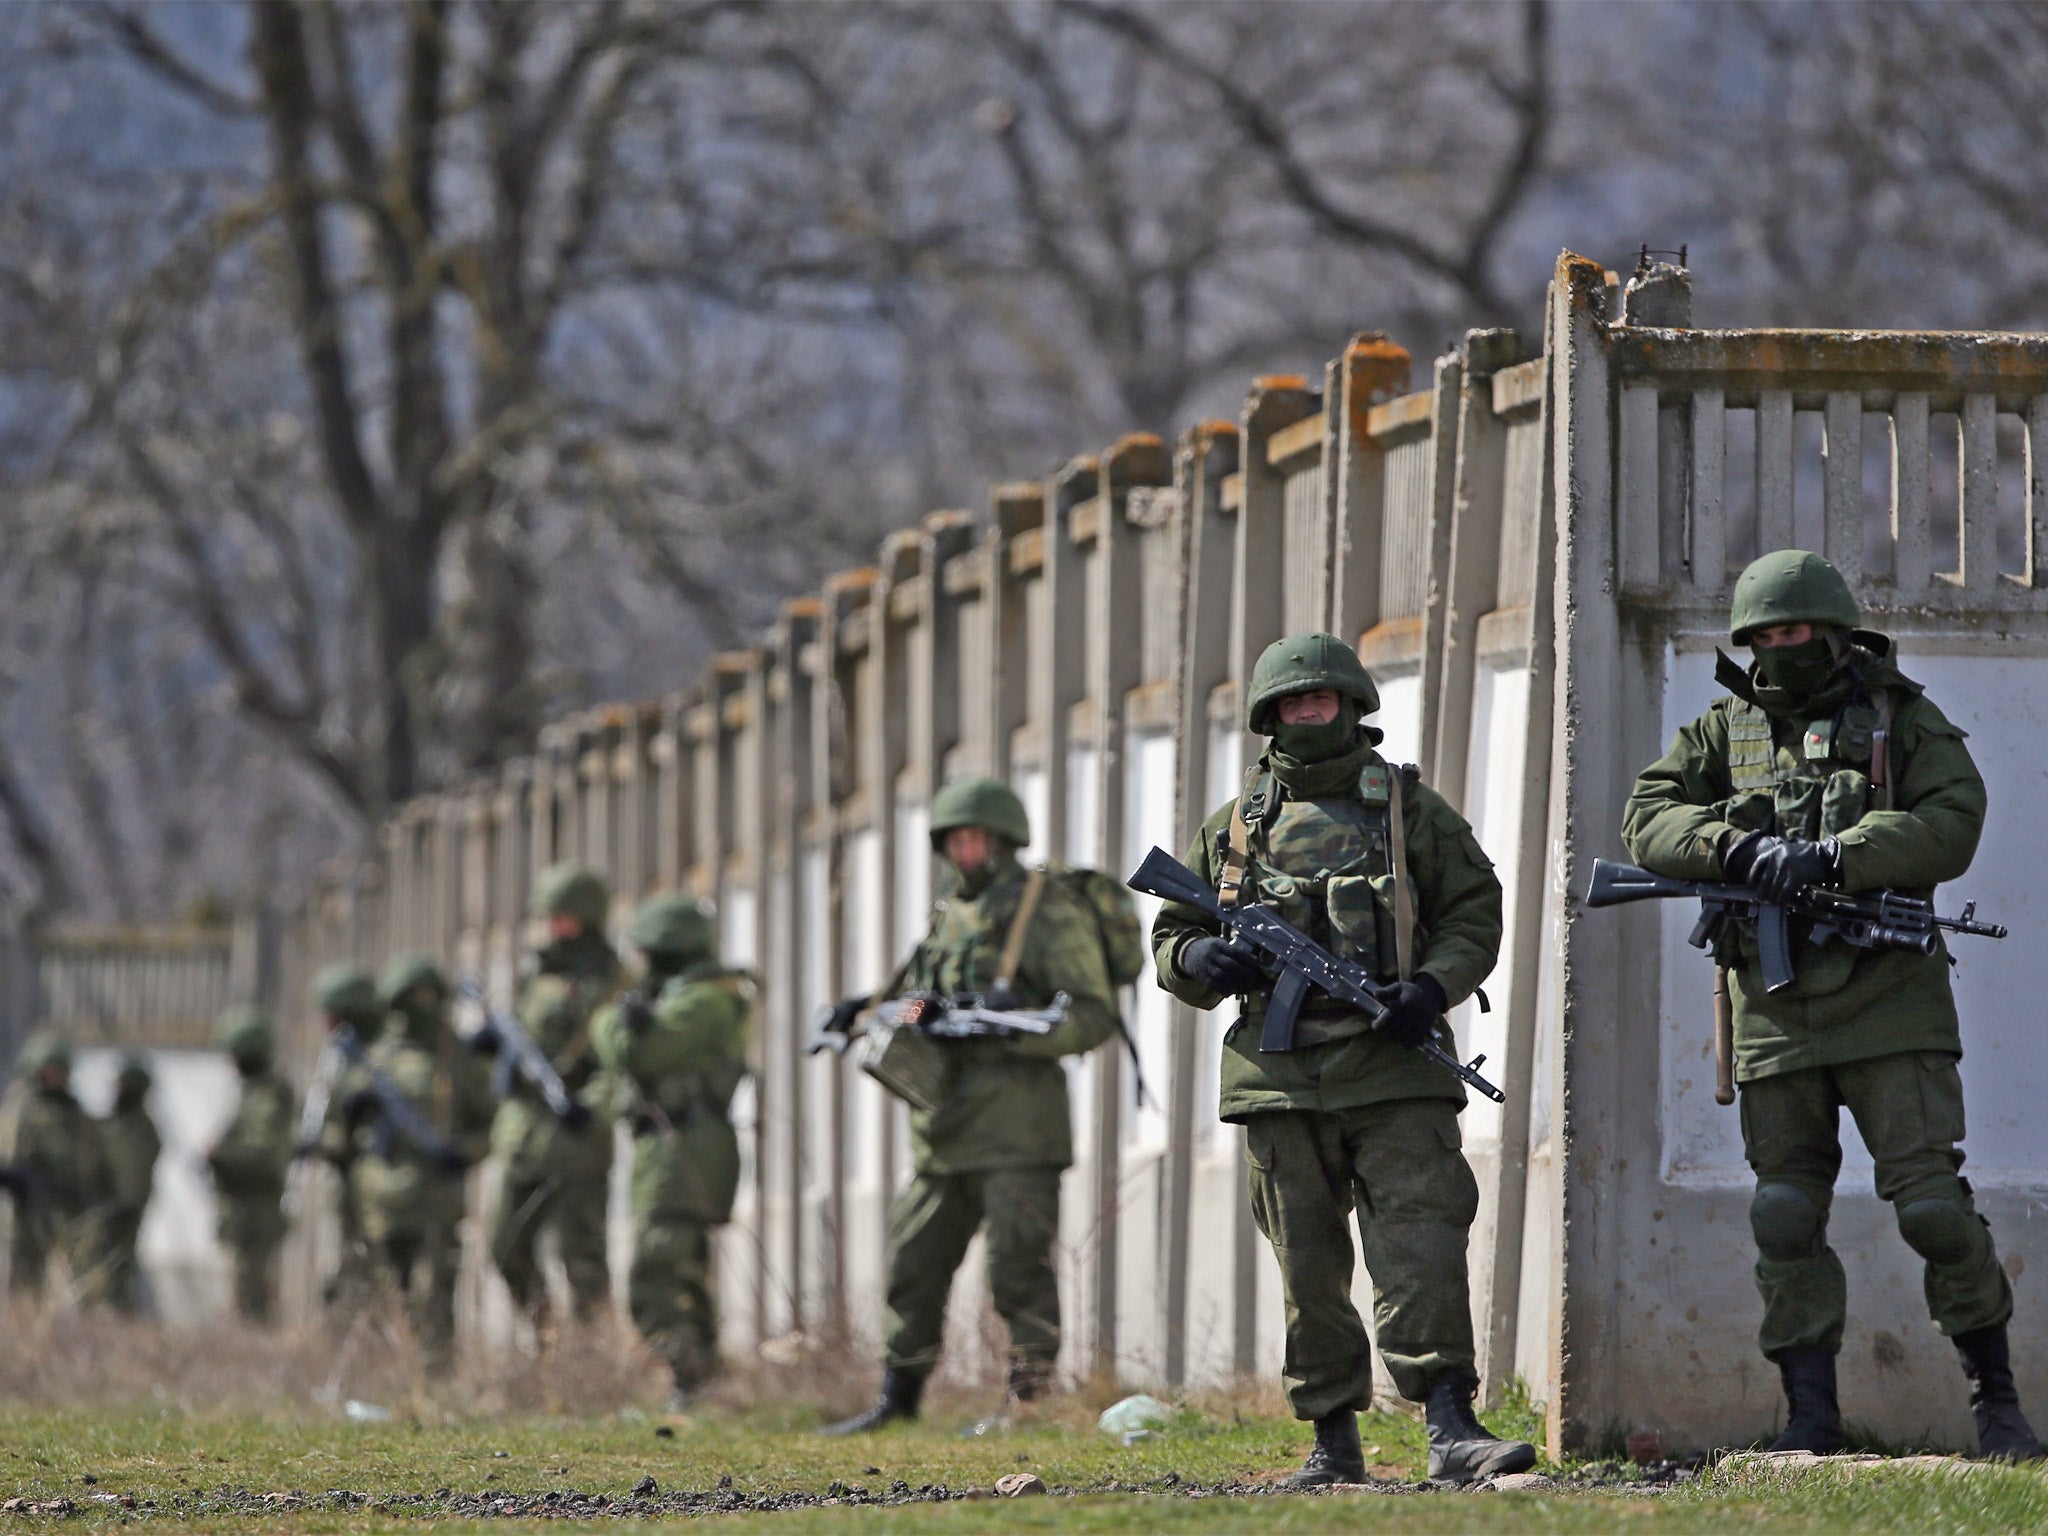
[967, 848]
[562, 927]
[54, 1076]
[1772, 636]
[1318, 706]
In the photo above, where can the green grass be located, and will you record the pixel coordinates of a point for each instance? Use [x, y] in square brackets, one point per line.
[205, 1472]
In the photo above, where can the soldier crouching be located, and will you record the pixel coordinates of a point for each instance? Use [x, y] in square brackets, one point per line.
[1352, 1119]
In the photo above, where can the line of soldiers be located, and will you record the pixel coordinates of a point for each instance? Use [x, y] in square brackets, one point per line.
[79, 1183]
[405, 1109]
[415, 1108]
[1822, 765]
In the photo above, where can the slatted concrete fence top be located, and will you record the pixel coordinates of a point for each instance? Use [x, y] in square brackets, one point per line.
[1533, 554]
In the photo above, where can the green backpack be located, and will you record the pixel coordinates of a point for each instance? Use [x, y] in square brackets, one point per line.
[1108, 900]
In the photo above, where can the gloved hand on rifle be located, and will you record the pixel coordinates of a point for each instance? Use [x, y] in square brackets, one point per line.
[1221, 966]
[1779, 868]
[1413, 1007]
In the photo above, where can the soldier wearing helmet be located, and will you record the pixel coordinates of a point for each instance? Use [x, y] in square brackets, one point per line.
[251, 1159]
[676, 1050]
[558, 1176]
[992, 1153]
[1362, 856]
[48, 1158]
[1825, 765]
[129, 1145]
[408, 1198]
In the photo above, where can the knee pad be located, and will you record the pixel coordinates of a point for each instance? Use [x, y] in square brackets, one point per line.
[1941, 1231]
[1787, 1222]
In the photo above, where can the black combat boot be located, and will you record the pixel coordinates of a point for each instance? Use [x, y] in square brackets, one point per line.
[2003, 1433]
[1813, 1417]
[1461, 1449]
[1336, 1457]
[901, 1392]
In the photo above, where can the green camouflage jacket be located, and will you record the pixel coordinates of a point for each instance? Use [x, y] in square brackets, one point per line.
[129, 1147]
[1323, 864]
[45, 1133]
[254, 1153]
[1006, 1101]
[675, 1077]
[400, 1190]
[1687, 809]
[555, 1006]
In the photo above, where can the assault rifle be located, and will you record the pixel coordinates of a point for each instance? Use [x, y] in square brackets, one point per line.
[398, 1118]
[1881, 920]
[1297, 960]
[505, 1037]
[960, 1017]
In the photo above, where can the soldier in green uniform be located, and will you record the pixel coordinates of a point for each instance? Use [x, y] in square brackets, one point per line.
[1352, 1120]
[345, 997]
[992, 1153]
[49, 1158]
[557, 1175]
[250, 1161]
[1824, 765]
[129, 1147]
[676, 1052]
[410, 1198]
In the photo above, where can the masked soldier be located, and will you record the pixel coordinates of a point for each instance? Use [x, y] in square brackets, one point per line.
[345, 997]
[558, 1175]
[994, 1149]
[129, 1147]
[1375, 865]
[410, 1198]
[677, 1051]
[251, 1159]
[1825, 766]
[49, 1162]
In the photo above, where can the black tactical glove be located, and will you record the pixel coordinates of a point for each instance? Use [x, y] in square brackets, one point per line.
[843, 1013]
[635, 1014]
[1413, 1007]
[1220, 965]
[1778, 868]
[485, 1041]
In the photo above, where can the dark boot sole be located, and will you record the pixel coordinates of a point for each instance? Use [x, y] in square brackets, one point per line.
[1513, 1456]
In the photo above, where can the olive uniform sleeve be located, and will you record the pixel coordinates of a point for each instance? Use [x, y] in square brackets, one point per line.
[472, 1105]
[1176, 926]
[337, 1130]
[1675, 821]
[1932, 834]
[1458, 897]
[1063, 953]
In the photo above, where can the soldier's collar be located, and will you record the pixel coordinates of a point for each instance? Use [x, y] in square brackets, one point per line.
[1331, 776]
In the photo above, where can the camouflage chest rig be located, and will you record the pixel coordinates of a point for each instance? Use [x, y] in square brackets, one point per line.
[1840, 770]
[1359, 901]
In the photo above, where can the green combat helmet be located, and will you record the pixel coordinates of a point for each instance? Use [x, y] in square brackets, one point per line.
[407, 971]
[246, 1035]
[986, 803]
[44, 1048]
[347, 992]
[570, 890]
[134, 1078]
[1302, 664]
[1789, 586]
[673, 925]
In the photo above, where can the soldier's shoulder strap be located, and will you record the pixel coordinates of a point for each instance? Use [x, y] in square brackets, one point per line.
[1252, 806]
[1020, 927]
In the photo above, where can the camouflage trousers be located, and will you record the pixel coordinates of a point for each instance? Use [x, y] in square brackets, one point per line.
[930, 1227]
[252, 1229]
[572, 1203]
[668, 1290]
[1909, 1108]
[41, 1234]
[1399, 1167]
[116, 1274]
[423, 1266]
